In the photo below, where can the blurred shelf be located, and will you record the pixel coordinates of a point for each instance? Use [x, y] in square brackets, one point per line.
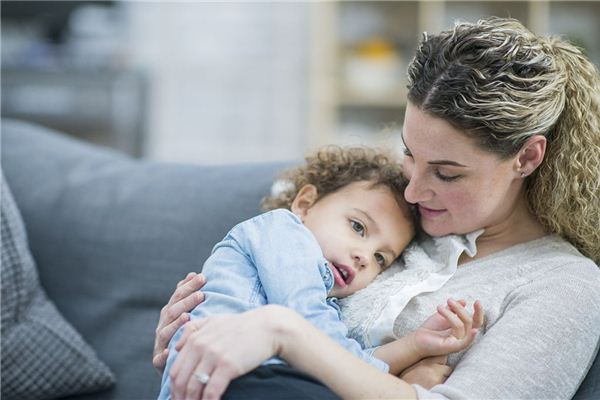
[103, 107]
[395, 97]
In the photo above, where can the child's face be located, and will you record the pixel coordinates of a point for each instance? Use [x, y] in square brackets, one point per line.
[361, 230]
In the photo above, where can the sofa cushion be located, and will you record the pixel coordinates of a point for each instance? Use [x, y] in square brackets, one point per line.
[43, 356]
[112, 235]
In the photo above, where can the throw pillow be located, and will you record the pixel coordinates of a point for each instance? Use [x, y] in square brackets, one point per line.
[43, 356]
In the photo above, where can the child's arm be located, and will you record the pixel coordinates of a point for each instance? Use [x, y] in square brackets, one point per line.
[449, 330]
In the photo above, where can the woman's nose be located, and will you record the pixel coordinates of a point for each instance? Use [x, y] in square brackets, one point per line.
[416, 190]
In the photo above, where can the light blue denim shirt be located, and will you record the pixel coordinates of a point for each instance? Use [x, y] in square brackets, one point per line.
[271, 259]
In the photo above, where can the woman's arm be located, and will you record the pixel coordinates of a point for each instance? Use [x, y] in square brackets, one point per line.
[540, 345]
[228, 346]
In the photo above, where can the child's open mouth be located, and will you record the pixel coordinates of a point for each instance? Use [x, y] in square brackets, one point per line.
[342, 274]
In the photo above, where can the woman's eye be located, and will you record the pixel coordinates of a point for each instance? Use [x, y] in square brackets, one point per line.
[358, 227]
[407, 152]
[380, 259]
[446, 178]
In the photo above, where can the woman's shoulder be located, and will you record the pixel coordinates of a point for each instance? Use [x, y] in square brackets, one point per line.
[548, 252]
[547, 261]
[557, 253]
[555, 266]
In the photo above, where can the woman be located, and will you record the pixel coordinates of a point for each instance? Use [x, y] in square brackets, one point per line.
[502, 136]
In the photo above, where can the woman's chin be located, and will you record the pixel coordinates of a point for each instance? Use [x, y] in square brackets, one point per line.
[436, 229]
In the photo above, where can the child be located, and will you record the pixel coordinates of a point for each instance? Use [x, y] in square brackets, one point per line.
[341, 222]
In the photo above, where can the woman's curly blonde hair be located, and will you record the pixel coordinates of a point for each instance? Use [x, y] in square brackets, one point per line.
[502, 84]
[331, 168]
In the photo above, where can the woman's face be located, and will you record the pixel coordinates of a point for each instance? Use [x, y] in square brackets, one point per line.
[458, 187]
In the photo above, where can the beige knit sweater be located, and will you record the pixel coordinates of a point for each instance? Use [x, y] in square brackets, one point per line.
[542, 309]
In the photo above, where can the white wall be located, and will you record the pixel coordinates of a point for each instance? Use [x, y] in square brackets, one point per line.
[229, 81]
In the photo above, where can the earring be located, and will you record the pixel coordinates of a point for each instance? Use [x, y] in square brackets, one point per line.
[524, 174]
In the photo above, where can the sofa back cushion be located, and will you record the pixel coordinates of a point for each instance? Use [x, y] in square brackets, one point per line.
[112, 236]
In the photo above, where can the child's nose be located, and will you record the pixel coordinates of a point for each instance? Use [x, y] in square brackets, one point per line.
[360, 259]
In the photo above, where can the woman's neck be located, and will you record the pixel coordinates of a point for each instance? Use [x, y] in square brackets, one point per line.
[519, 226]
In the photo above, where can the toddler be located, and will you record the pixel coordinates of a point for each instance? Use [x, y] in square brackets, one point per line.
[339, 222]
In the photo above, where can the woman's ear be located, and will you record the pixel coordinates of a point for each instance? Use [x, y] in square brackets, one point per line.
[531, 155]
[305, 199]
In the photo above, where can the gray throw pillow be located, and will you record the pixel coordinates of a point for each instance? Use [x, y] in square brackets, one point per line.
[43, 357]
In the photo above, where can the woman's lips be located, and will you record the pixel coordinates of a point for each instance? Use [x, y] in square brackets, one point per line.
[430, 212]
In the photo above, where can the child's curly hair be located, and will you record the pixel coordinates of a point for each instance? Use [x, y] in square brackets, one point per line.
[332, 167]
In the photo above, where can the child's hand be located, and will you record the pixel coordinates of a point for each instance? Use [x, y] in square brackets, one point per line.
[449, 330]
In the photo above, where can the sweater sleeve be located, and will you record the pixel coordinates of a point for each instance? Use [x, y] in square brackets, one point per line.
[541, 346]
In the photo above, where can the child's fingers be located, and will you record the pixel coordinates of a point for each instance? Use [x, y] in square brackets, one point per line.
[478, 318]
[462, 314]
[457, 345]
[457, 326]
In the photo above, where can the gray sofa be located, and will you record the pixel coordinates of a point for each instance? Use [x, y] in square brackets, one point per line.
[111, 236]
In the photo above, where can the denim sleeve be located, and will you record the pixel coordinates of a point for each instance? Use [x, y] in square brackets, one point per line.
[290, 264]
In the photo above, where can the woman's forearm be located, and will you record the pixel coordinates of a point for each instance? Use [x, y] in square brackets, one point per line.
[306, 348]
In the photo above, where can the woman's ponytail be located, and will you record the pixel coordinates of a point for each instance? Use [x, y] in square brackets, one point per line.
[565, 191]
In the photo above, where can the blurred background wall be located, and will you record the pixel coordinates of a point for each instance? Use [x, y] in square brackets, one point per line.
[223, 82]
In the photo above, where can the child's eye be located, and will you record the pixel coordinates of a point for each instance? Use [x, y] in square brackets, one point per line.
[407, 152]
[446, 178]
[380, 259]
[358, 227]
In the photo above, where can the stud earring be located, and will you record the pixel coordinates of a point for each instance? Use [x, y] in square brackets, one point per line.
[523, 174]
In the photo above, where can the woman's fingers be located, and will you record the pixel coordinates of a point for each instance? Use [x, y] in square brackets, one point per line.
[221, 376]
[174, 314]
[199, 379]
[185, 365]
[185, 288]
[444, 370]
[160, 360]
[189, 276]
[443, 359]
[189, 329]
[161, 340]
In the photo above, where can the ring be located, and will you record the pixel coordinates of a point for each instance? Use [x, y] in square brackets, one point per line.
[202, 377]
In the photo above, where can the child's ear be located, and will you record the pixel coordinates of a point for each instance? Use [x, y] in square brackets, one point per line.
[305, 198]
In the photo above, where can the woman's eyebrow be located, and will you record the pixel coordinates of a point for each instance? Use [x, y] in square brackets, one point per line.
[435, 162]
[446, 162]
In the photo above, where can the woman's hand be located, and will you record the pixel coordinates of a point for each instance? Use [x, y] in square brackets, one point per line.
[449, 330]
[428, 372]
[221, 348]
[174, 314]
